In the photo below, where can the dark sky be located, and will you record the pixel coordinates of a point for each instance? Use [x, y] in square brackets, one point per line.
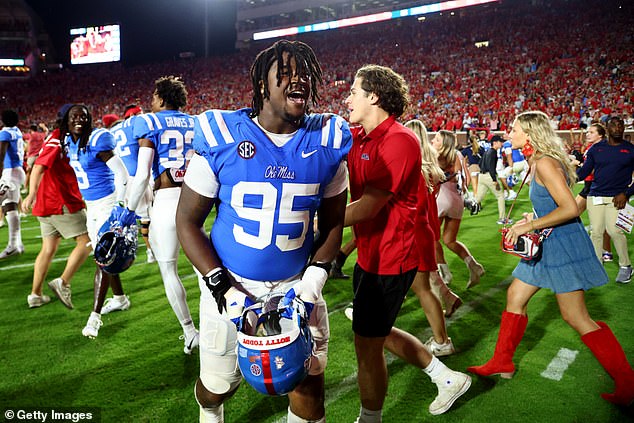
[151, 30]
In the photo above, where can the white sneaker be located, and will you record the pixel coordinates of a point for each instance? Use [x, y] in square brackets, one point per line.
[112, 304]
[92, 326]
[190, 343]
[150, 256]
[61, 291]
[348, 313]
[512, 196]
[37, 300]
[450, 388]
[12, 251]
[440, 350]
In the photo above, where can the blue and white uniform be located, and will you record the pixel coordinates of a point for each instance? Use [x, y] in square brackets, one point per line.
[13, 159]
[171, 132]
[269, 187]
[268, 194]
[127, 147]
[95, 178]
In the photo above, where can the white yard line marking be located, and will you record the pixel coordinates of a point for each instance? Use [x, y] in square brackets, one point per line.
[558, 365]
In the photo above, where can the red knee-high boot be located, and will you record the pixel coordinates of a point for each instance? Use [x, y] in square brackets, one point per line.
[608, 351]
[512, 329]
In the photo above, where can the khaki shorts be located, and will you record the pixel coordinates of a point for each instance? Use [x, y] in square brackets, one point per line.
[66, 225]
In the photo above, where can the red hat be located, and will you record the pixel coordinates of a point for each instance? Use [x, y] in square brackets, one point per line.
[108, 120]
[132, 111]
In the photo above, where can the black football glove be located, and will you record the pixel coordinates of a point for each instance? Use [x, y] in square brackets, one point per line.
[218, 283]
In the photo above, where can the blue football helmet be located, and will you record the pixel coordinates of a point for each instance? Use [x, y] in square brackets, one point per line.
[275, 345]
[511, 180]
[117, 243]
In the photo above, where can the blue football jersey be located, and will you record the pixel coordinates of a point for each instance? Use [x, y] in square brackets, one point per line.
[94, 177]
[171, 132]
[268, 194]
[15, 150]
[126, 147]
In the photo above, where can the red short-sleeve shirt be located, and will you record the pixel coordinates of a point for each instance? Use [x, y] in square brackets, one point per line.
[58, 187]
[388, 158]
[425, 233]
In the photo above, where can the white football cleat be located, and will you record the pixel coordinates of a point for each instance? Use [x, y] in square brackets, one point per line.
[91, 330]
[112, 304]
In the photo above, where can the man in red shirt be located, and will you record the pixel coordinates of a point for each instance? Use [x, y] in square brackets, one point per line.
[385, 171]
[58, 205]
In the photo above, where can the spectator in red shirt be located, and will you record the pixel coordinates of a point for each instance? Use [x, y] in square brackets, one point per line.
[36, 136]
[56, 201]
[385, 172]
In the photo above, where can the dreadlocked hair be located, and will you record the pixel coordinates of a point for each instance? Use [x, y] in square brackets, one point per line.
[64, 130]
[171, 89]
[306, 62]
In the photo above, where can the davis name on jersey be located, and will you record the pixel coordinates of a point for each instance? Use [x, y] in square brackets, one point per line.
[126, 147]
[268, 194]
[171, 132]
[94, 177]
[15, 150]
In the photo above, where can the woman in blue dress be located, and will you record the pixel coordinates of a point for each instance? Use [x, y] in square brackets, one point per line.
[568, 265]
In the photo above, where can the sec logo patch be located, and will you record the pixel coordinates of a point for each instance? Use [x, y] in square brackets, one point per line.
[246, 150]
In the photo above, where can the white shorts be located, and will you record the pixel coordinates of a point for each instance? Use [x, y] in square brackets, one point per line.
[17, 176]
[97, 212]
[219, 370]
[163, 238]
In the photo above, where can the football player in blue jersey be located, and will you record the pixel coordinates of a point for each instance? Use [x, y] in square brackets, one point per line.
[12, 178]
[165, 145]
[127, 148]
[102, 179]
[269, 170]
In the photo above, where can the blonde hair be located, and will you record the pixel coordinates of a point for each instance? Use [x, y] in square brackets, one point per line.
[545, 141]
[432, 173]
[447, 153]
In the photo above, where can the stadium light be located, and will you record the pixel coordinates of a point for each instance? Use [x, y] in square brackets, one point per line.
[366, 19]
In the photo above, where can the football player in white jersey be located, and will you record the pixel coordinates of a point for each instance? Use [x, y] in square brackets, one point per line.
[11, 180]
[165, 145]
[127, 148]
[102, 179]
[268, 170]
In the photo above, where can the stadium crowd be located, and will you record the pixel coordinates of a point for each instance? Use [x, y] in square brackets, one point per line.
[566, 69]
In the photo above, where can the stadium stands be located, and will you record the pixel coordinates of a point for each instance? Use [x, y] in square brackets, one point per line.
[565, 58]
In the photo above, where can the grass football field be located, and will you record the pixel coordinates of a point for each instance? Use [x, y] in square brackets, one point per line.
[135, 371]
